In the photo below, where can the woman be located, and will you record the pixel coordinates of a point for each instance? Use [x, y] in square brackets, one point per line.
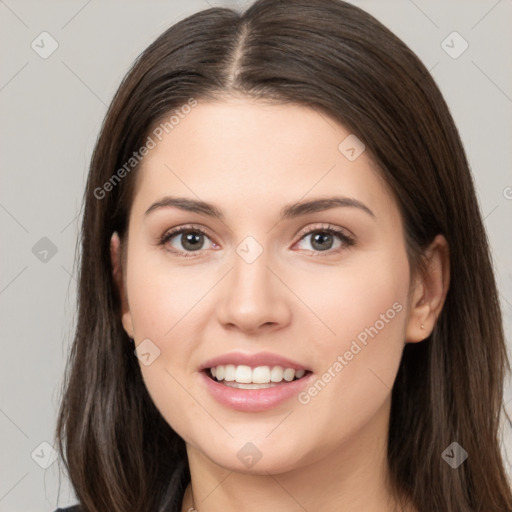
[278, 302]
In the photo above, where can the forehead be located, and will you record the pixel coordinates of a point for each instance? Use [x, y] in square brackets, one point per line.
[256, 154]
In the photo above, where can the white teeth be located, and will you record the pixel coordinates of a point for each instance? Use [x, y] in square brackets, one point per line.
[229, 372]
[261, 375]
[243, 374]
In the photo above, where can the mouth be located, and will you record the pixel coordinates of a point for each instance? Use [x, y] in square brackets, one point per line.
[260, 377]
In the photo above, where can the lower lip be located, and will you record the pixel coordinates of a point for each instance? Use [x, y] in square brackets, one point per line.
[254, 400]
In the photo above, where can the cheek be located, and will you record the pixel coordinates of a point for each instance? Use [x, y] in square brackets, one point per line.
[165, 309]
[366, 312]
[363, 299]
[162, 297]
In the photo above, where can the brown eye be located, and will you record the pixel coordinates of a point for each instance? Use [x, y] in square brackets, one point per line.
[191, 240]
[323, 240]
[185, 240]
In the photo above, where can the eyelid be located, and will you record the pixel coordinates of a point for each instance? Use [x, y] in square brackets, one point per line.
[321, 226]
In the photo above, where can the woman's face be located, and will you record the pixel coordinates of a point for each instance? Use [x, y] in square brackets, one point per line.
[263, 278]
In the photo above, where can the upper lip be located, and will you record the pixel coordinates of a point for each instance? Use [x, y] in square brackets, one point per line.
[252, 360]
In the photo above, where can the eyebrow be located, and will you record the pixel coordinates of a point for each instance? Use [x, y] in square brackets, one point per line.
[288, 212]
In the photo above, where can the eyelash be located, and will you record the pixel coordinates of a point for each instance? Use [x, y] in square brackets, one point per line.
[346, 240]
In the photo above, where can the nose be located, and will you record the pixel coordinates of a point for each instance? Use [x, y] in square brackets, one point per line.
[253, 297]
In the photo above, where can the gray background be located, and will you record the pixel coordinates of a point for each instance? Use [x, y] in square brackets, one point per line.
[51, 113]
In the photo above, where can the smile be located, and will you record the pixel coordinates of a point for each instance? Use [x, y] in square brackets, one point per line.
[261, 377]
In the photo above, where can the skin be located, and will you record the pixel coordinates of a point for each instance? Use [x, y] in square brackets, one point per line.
[326, 455]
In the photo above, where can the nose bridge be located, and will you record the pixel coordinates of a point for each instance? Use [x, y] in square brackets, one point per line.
[253, 295]
[250, 273]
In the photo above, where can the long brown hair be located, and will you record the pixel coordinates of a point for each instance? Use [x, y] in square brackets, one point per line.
[332, 56]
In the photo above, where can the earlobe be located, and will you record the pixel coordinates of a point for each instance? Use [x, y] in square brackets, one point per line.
[428, 292]
[117, 271]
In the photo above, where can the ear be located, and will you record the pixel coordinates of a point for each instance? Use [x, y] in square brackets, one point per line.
[117, 270]
[428, 291]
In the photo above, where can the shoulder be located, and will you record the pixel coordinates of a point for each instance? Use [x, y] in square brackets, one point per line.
[74, 508]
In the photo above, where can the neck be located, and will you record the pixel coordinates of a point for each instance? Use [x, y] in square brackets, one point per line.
[352, 478]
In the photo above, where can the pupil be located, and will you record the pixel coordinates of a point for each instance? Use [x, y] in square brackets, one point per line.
[193, 240]
[322, 237]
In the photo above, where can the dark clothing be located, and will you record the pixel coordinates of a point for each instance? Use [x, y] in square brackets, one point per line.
[75, 508]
